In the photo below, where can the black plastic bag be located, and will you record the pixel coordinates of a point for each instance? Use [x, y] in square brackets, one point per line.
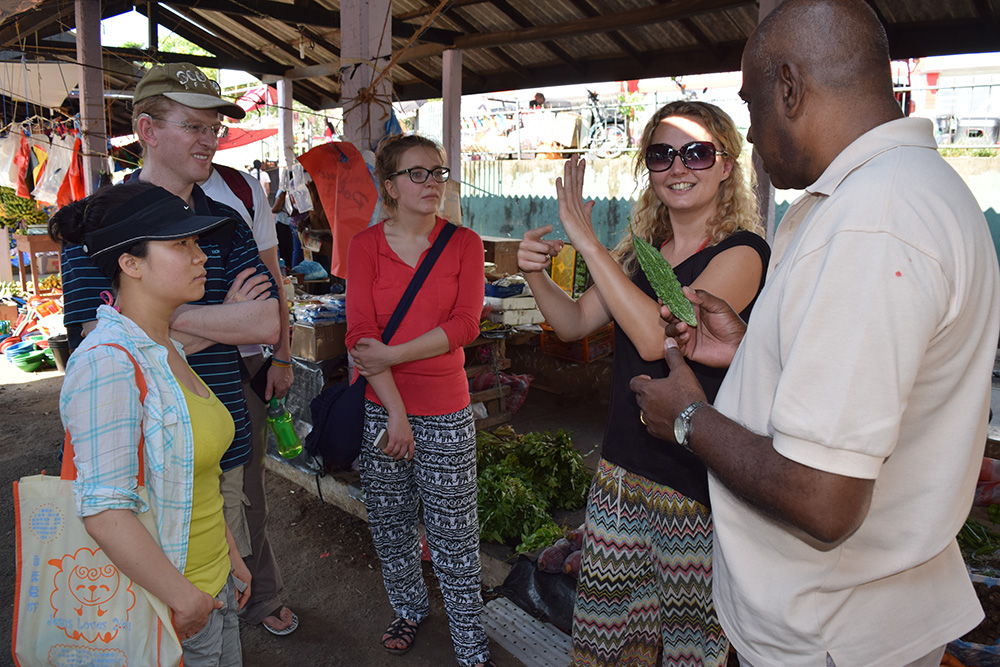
[549, 597]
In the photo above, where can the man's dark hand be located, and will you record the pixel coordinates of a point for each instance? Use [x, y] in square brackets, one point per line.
[719, 332]
[662, 400]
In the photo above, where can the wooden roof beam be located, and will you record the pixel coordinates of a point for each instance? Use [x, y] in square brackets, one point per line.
[305, 86]
[68, 49]
[701, 37]
[587, 8]
[985, 12]
[313, 13]
[599, 24]
[669, 62]
[464, 25]
[228, 44]
[183, 26]
[420, 13]
[316, 15]
[234, 41]
[520, 19]
[27, 24]
[939, 38]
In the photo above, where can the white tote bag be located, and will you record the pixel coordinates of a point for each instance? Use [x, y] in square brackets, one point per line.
[74, 607]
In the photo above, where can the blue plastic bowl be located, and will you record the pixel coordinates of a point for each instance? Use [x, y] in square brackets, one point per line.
[19, 348]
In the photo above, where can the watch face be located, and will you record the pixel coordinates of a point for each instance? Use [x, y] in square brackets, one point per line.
[680, 433]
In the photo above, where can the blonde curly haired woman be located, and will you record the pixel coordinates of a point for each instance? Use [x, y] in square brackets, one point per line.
[646, 573]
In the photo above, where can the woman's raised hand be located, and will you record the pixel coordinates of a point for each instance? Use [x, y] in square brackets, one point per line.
[535, 253]
[573, 211]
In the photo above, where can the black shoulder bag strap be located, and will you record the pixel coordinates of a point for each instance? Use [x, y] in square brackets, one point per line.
[417, 281]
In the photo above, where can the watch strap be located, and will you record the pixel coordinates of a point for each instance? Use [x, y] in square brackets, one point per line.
[685, 417]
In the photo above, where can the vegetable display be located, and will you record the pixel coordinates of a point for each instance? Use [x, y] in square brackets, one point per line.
[975, 539]
[14, 210]
[522, 478]
[663, 280]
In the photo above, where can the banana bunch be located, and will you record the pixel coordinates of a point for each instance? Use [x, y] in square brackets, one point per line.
[14, 209]
[52, 281]
[8, 290]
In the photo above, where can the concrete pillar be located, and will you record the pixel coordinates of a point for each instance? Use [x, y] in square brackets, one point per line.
[286, 138]
[765, 190]
[6, 267]
[365, 38]
[451, 79]
[93, 128]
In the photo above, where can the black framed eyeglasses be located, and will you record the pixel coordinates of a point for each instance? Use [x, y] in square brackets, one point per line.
[420, 174]
[696, 155]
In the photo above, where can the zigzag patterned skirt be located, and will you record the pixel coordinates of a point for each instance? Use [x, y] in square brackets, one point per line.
[645, 578]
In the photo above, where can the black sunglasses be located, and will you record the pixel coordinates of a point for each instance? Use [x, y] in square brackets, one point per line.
[695, 155]
[420, 174]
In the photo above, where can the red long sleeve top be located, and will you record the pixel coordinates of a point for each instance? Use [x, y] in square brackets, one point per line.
[451, 298]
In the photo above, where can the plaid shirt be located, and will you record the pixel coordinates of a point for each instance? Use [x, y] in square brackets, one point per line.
[100, 407]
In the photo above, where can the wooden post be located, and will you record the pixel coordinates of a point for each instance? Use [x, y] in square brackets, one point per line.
[6, 268]
[365, 39]
[451, 75]
[286, 138]
[88, 53]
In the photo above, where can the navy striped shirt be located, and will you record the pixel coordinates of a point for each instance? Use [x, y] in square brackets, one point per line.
[217, 365]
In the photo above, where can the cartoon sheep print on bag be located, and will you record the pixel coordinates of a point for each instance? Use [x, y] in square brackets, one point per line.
[92, 582]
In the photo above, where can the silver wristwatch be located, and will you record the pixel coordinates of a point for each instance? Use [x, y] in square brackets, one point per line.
[682, 425]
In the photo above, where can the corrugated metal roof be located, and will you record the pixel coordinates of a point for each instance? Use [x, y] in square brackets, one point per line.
[506, 44]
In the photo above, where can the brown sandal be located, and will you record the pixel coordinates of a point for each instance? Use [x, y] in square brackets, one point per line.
[400, 630]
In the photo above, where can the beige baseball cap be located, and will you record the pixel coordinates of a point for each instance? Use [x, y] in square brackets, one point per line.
[185, 84]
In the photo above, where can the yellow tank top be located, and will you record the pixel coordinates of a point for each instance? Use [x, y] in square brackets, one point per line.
[208, 562]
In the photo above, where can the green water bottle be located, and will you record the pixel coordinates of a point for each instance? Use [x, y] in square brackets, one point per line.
[280, 422]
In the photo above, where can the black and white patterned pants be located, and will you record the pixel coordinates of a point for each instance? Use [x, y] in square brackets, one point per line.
[442, 477]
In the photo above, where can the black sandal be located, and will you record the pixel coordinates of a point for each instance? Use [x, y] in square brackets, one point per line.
[400, 629]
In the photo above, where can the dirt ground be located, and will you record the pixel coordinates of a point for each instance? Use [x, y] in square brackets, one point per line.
[331, 574]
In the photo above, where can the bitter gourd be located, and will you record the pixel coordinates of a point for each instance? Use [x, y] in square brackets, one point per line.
[661, 276]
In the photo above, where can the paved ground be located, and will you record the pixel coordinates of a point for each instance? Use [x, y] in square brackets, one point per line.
[331, 574]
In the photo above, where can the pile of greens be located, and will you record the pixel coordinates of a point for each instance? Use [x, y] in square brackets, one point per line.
[522, 478]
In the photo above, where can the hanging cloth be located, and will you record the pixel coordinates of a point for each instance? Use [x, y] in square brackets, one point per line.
[22, 158]
[347, 192]
[72, 188]
[40, 159]
[8, 148]
[56, 168]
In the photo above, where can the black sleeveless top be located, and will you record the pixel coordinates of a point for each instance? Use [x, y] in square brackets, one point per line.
[626, 441]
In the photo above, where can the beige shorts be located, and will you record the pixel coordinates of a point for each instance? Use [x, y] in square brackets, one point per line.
[234, 504]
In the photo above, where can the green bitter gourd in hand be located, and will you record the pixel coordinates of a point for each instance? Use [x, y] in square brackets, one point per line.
[661, 276]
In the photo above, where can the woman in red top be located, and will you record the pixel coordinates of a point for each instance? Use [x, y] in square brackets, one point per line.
[419, 395]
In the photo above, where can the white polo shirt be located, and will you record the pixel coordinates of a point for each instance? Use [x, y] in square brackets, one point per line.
[869, 354]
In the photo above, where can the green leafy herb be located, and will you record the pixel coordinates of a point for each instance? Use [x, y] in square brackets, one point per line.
[521, 479]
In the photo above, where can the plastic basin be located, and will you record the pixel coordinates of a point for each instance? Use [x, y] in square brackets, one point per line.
[19, 348]
[9, 342]
[31, 361]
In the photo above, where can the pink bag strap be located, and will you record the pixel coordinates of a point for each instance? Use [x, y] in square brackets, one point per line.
[68, 470]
